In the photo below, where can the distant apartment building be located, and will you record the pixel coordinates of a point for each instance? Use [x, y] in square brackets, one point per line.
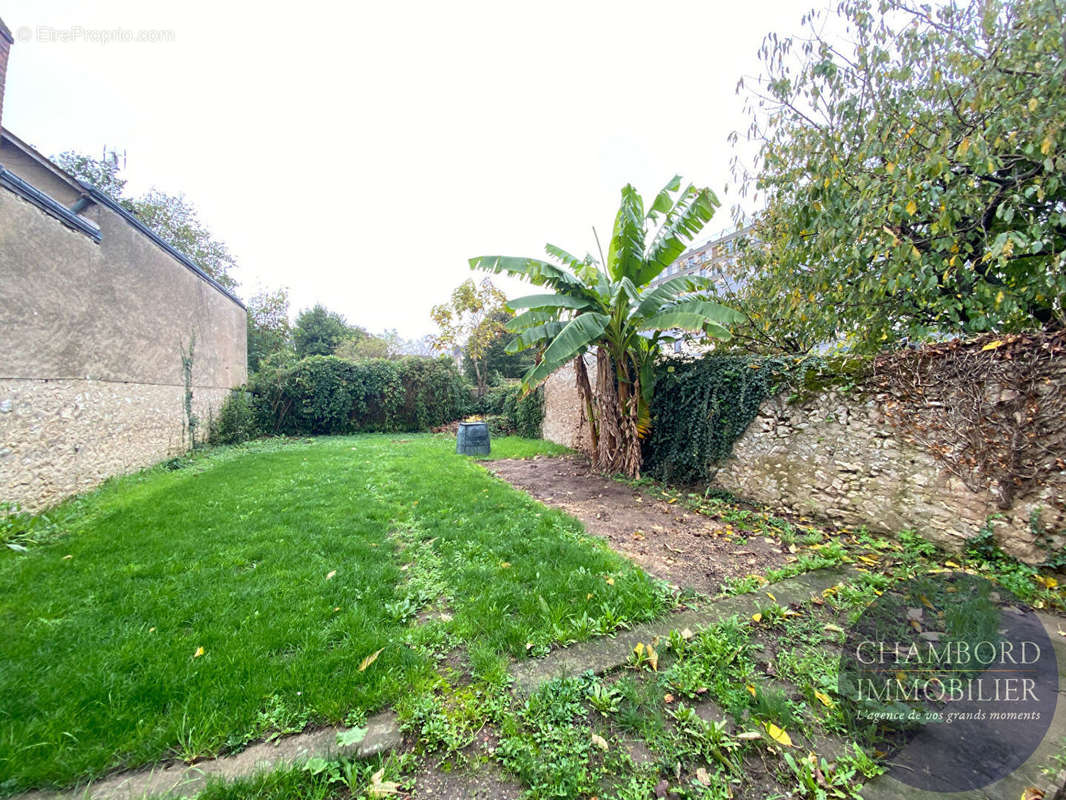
[717, 259]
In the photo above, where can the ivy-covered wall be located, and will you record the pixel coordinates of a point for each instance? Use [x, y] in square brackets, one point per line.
[946, 440]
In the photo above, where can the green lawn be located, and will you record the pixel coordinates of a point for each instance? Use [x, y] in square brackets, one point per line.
[189, 611]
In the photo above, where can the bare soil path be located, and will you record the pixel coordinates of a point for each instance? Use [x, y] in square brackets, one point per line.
[682, 547]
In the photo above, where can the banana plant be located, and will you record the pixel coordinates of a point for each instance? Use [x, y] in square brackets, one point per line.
[616, 310]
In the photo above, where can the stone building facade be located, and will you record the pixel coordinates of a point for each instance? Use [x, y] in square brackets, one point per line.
[96, 312]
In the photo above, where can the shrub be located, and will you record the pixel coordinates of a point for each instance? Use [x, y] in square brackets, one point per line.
[508, 412]
[236, 420]
[328, 395]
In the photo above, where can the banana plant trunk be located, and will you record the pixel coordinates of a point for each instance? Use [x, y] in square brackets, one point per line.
[612, 413]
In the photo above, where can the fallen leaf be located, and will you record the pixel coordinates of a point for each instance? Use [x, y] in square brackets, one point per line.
[653, 658]
[749, 735]
[751, 690]
[610, 581]
[199, 652]
[1032, 793]
[824, 699]
[68, 555]
[381, 788]
[993, 345]
[152, 629]
[703, 776]
[686, 633]
[668, 698]
[1048, 581]
[829, 626]
[330, 574]
[778, 735]
[912, 207]
[370, 659]
[951, 564]
[771, 597]
[599, 741]
[505, 564]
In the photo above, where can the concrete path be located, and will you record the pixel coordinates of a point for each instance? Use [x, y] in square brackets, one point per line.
[607, 654]
[177, 780]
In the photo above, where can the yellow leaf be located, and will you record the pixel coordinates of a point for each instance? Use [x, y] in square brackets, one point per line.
[588, 596]
[1034, 103]
[1048, 581]
[964, 145]
[824, 699]
[1032, 793]
[925, 601]
[505, 564]
[751, 690]
[1045, 146]
[653, 658]
[778, 735]
[610, 581]
[952, 564]
[890, 167]
[330, 574]
[639, 649]
[66, 557]
[672, 500]
[829, 626]
[771, 597]
[370, 659]
[757, 616]
[993, 345]
[912, 207]
[901, 676]
[199, 652]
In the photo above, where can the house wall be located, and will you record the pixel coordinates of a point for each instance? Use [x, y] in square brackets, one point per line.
[91, 381]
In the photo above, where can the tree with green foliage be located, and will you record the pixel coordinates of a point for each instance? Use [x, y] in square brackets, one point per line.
[171, 217]
[269, 331]
[471, 321]
[319, 332]
[497, 362]
[914, 178]
[365, 348]
[615, 311]
[102, 173]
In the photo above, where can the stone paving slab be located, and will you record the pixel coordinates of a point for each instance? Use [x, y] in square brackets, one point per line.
[177, 780]
[606, 654]
[1028, 774]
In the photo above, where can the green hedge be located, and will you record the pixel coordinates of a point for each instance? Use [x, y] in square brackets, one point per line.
[328, 395]
[509, 413]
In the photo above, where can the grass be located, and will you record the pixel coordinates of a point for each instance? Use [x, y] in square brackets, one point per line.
[188, 611]
[517, 447]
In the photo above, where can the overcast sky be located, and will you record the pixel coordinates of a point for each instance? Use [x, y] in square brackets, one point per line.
[359, 153]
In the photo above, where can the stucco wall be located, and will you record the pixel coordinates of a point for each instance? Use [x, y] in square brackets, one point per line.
[835, 457]
[91, 379]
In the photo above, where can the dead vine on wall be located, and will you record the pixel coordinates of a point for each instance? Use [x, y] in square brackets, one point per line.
[992, 409]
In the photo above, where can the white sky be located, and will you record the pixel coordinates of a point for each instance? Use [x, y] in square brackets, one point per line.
[359, 153]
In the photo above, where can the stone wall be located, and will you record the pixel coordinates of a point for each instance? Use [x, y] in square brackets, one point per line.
[562, 408]
[834, 457]
[91, 380]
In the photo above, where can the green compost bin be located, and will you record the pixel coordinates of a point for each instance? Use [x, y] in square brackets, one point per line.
[473, 439]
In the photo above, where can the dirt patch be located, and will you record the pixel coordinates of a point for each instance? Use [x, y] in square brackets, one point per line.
[434, 782]
[669, 542]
